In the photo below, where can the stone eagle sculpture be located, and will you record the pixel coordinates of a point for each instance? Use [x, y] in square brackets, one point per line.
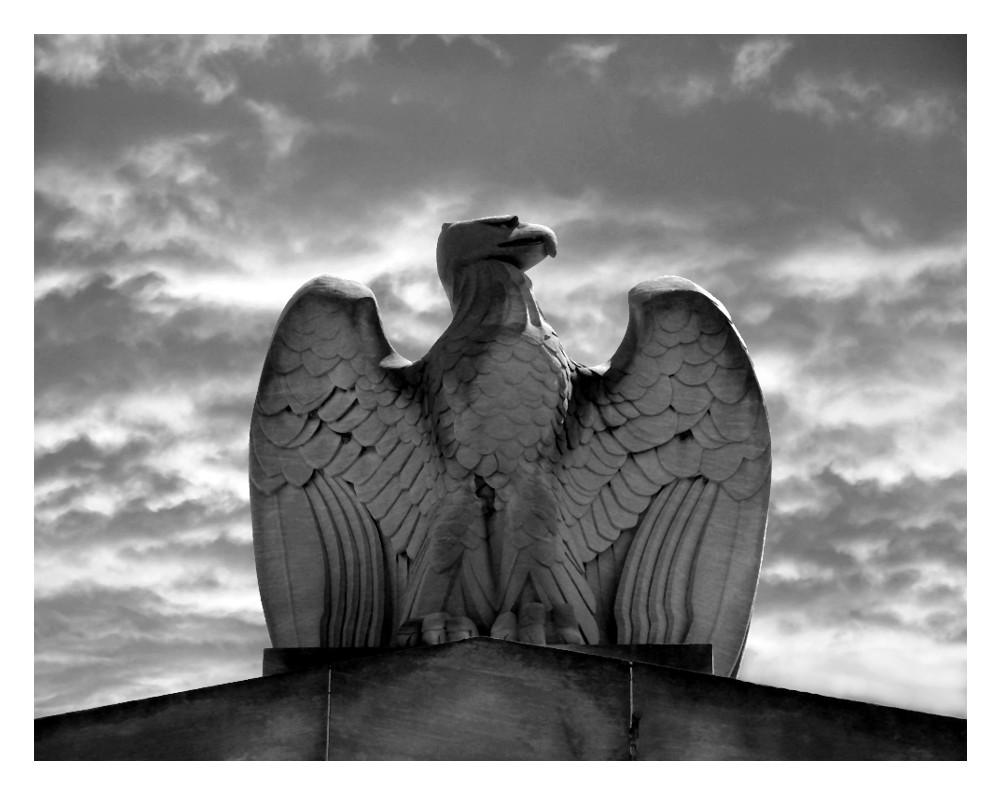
[498, 487]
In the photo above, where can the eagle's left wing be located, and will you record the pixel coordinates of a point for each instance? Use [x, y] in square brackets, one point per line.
[665, 475]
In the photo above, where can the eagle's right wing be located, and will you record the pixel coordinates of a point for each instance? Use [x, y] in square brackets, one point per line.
[343, 471]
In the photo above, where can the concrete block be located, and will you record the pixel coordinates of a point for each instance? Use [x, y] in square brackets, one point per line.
[688, 716]
[281, 718]
[480, 699]
[488, 699]
[683, 657]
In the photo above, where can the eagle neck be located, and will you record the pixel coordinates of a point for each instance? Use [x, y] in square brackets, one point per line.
[493, 293]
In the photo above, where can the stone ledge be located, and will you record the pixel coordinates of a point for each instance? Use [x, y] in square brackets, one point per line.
[695, 657]
[484, 699]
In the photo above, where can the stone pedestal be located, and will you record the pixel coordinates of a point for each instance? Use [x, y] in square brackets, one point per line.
[681, 657]
[484, 699]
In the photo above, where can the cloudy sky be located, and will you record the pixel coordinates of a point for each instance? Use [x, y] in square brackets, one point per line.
[186, 187]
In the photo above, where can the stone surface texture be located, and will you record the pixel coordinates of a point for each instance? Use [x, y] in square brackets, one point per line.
[697, 658]
[283, 719]
[497, 487]
[496, 700]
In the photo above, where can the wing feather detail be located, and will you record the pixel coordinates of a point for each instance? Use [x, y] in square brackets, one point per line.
[669, 445]
[338, 440]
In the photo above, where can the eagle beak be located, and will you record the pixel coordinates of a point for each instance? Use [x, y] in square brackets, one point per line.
[541, 233]
[528, 236]
[550, 242]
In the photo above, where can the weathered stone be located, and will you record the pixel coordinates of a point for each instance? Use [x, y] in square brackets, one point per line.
[280, 718]
[496, 487]
[494, 700]
[697, 658]
[683, 716]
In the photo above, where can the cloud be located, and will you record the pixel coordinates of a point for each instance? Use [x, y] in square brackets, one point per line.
[680, 93]
[486, 43]
[846, 375]
[831, 99]
[871, 664]
[83, 468]
[161, 199]
[841, 98]
[134, 521]
[71, 58]
[205, 65]
[921, 116]
[588, 57]
[125, 644]
[756, 59]
[837, 548]
[331, 52]
[281, 129]
[141, 416]
[106, 336]
[413, 308]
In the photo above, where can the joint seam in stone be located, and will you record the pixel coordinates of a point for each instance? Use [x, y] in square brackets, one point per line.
[633, 721]
[329, 682]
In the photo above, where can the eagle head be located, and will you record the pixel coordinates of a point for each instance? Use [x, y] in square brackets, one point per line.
[501, 237]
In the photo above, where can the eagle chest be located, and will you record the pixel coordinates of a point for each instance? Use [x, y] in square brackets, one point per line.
[506, 398]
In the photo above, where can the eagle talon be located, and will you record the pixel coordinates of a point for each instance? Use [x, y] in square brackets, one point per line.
[433, 628]
[504, 627]
[565, 625]
[460, 628]
[408, 634]
[531, 623]
[539, 626]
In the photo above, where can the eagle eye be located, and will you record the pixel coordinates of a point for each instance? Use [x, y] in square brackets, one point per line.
[507, 221]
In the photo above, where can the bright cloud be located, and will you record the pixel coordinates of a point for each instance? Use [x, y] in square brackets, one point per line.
[922, 116]
[281, 129]
[831, 100]
[201, 63]
[843, 98]
[333, 51]
[680, 93]
[589, 57]
[755, 60]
